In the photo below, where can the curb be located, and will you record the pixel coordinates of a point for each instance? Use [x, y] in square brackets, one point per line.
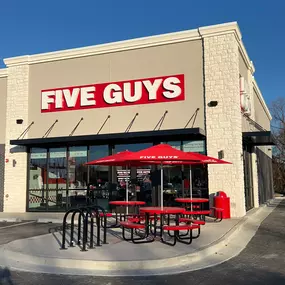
[11, 220]
[227, 247]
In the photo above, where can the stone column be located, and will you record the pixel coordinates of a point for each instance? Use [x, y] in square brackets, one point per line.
[224, 126]
[16, 168]
[253, 155]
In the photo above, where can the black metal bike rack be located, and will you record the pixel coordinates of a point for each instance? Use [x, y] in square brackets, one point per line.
[64, 227]
[84, 213]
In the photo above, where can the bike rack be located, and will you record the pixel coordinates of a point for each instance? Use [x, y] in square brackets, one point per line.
[64, 226]
[96, 208]
[84, 214]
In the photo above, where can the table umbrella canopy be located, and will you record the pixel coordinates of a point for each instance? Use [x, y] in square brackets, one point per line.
[202, 159]
[160, 153]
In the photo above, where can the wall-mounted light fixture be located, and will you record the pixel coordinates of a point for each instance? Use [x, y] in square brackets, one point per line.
[19, 121]
[221, 154]
[213, 103]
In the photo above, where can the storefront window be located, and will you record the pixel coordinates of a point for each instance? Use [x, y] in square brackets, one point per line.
[199, 173]
[138, 178]
[173, 180]
[37, 179]
[99, 176]
[194, 146]
[57, 179]
[77, 171]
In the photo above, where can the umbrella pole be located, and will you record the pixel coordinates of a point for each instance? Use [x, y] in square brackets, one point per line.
[161, 188]
[191, 189]
[127, 192]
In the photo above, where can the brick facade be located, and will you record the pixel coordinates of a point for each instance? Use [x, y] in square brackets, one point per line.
[16, 169]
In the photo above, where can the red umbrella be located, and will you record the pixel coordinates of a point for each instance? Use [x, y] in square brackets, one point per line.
[201, 159]
[162, 153]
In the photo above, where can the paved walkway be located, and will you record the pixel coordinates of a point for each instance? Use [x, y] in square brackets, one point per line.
[262, 262]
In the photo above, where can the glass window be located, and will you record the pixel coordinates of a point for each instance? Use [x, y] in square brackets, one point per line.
[194, 146]
[77, 171]
[57, 179]
[37, 179]
[138, 178]
[77, 176]
[98, 174]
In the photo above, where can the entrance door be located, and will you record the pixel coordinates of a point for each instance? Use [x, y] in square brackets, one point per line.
[248, 185]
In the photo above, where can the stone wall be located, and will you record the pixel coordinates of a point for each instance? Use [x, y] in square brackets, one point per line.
[253, 154]
[2, 168]
[16, 168]
[224, 126]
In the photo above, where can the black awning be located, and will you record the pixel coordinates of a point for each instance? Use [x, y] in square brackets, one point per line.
[258, 138]
[116, 138]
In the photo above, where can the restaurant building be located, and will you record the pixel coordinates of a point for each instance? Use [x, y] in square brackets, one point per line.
[194, 90]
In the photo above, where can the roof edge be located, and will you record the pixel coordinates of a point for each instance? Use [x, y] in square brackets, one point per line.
[3, 72]
[126, 44]
[260, 97]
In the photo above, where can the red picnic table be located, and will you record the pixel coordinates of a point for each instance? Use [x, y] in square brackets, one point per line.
[200, 212]
[162, 211]
[126, 204]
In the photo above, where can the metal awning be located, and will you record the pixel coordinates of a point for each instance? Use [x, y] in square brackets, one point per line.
[115, 138]
[258, 138]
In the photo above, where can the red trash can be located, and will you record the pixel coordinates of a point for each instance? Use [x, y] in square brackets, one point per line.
[222, 201]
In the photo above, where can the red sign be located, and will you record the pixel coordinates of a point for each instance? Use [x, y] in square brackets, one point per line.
[124, 93]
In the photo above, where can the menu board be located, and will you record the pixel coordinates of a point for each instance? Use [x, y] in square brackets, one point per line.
[123, 174]
[142, 172]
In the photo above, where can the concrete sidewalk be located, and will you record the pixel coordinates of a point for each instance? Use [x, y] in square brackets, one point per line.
[218, 242]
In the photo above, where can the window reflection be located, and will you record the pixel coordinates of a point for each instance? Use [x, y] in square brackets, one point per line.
[77, 175]
[98, 174]
[138, 178]
[57, 179]
[37, 179]
[77, 171]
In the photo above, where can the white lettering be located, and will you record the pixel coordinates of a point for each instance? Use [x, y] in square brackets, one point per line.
[116, 94]
[169, 84]
[152, 88]
[147, 157]
[58, 99]
[167, 157]
[71, 98]
[137, 92]
[46, 99]
[87, 97]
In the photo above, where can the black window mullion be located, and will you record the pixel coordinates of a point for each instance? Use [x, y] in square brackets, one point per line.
[88, 167]
[67, 177]
[28, 179]
[47, 177]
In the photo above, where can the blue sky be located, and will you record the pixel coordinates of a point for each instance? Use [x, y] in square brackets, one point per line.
[35, 26]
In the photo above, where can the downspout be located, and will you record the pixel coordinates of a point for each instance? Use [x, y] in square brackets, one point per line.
[204, 86]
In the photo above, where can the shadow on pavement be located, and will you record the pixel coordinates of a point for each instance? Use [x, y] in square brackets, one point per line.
[5, 276]
[236, 275]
